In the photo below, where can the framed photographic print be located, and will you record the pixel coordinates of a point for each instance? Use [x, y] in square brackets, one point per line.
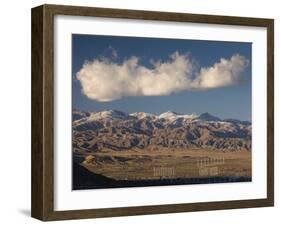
[141, 112]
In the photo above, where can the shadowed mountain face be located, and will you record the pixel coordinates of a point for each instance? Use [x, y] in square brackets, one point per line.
[116, 130]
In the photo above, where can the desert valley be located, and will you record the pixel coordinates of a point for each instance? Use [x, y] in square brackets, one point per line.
[115, 149]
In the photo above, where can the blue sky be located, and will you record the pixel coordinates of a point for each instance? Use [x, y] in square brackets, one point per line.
[232, 101]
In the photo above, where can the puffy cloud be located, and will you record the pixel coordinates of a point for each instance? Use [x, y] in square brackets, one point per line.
[224, 73]
[103, 80]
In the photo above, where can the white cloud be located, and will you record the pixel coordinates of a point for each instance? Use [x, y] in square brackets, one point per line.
[224, 73]
[103, 80]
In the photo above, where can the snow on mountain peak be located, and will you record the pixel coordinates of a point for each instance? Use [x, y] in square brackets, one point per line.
[168, 115]
[141, 115]
[193, 115]
[110, 114]
[167, 118]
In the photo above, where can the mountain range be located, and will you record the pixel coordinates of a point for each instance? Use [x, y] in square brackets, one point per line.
[119, 131]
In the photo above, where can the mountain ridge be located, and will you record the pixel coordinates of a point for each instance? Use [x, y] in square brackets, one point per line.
[116, 130]
[168, 114]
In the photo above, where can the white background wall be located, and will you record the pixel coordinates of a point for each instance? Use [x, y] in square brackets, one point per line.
[15, 111]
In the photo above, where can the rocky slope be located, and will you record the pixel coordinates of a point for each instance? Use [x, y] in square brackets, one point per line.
[116, 130]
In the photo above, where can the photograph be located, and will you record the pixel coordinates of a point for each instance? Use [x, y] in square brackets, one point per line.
[138, 112]
[157, 111]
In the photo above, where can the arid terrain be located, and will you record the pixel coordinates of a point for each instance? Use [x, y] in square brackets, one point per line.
[143, 165]
[143, 147]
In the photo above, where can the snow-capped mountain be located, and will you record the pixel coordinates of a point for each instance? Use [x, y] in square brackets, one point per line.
[168, 117]
[120, 131]
[141, 115]
[111, 114]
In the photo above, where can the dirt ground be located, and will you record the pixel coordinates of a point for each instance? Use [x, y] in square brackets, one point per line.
[167, 163]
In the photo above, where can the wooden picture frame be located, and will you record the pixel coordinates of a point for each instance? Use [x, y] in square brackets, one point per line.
[43, 112]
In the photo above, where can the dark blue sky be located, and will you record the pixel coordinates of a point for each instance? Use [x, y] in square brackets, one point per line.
[227, 102]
